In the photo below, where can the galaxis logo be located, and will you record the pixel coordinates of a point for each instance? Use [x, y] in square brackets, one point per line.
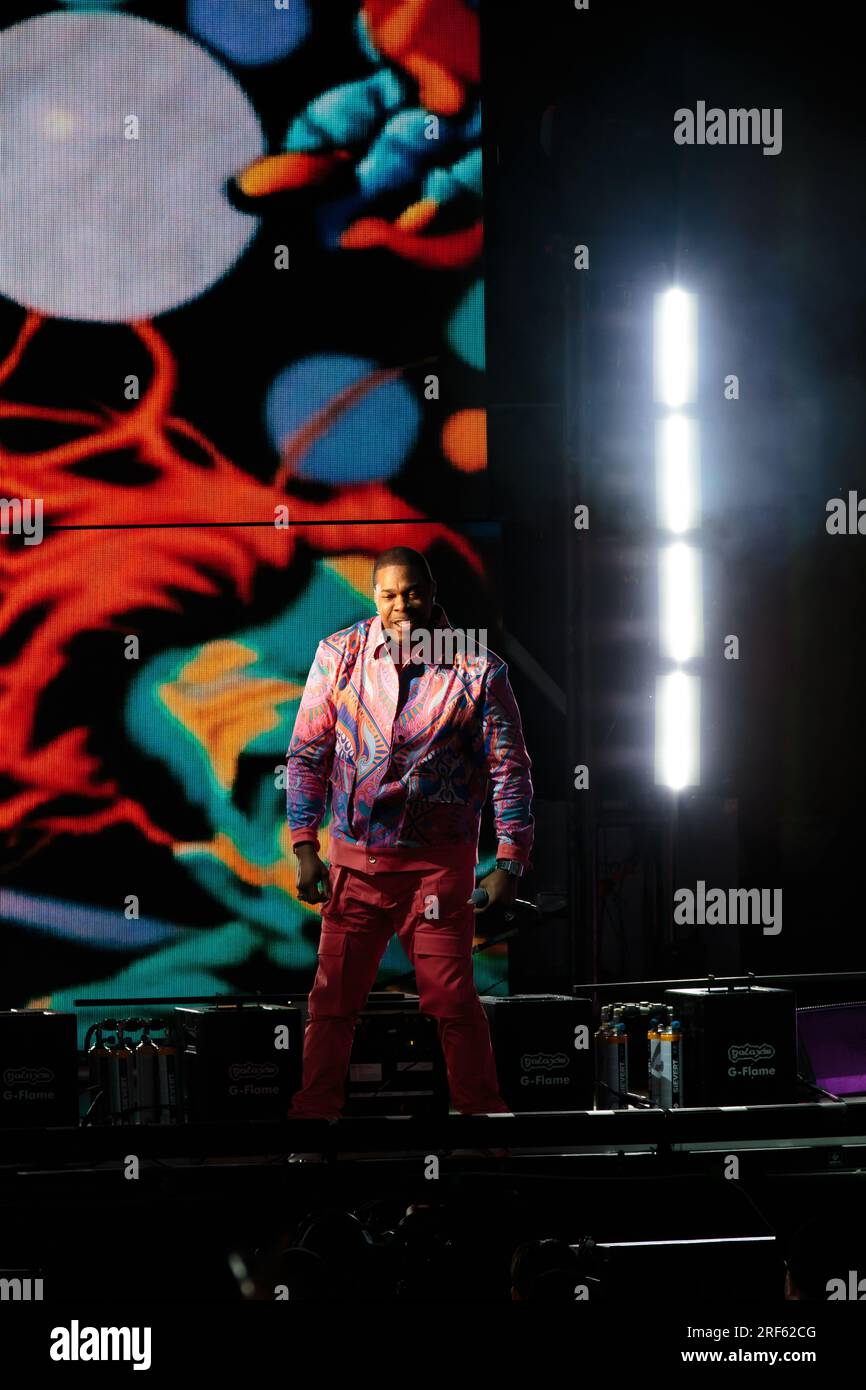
[27, 1075]
[750, 1052]
[248, 1071]
[547, 1060]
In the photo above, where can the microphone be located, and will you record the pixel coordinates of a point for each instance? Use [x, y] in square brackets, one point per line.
[480, 898]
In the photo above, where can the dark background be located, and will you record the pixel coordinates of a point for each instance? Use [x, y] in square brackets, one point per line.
[580, 149]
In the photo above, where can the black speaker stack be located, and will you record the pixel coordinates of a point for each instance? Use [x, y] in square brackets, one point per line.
[38, 1069]
[542, 1046]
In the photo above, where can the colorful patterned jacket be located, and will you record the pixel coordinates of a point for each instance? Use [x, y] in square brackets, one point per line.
[413, 778]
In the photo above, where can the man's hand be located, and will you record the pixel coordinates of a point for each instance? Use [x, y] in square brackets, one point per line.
[312, 872]
[501, 889]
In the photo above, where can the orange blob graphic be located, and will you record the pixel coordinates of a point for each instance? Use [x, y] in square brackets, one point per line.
[464, 440]
[436, 41]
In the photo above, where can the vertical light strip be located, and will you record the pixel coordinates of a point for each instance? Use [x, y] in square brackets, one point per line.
[678, 691]
[676, 349]
[678, 730]
[681, 636]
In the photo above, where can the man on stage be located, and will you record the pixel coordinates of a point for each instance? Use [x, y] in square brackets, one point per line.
[409, 747]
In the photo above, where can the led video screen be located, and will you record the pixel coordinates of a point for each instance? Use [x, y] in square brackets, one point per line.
[241, 352]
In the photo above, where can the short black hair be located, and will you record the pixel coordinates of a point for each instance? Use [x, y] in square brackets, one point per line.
[402, 555]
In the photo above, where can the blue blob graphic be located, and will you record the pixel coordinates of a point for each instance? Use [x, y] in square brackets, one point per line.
[370, 439]
[466, 329]
[250, 32]
[365, 40]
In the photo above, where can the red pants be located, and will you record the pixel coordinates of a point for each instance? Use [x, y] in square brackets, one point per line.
[357, 923]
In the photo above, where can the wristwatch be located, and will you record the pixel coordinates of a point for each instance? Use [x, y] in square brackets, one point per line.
[511, 866]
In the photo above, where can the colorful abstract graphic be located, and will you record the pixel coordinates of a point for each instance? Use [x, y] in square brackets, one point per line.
[241, 351]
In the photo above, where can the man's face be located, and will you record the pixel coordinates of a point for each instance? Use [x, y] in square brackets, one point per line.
[403, 597]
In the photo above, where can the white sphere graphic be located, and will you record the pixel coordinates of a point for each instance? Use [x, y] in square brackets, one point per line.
[97, 226]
